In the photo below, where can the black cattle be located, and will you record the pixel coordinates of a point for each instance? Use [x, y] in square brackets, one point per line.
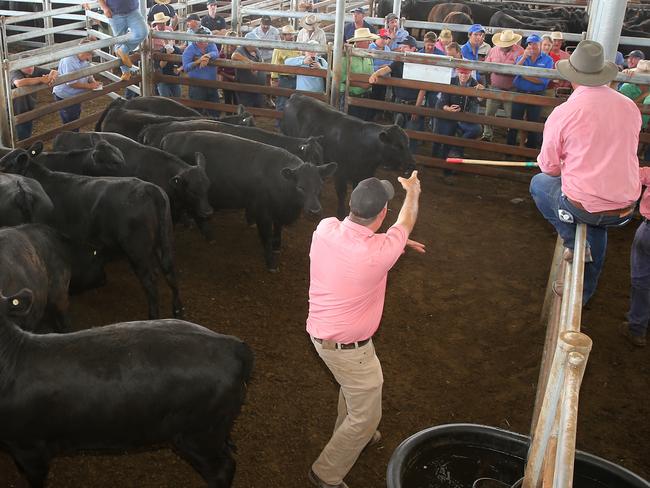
[501, 19]
[121, 214]
[101, 159]
[358, 147]
[308, 149]
[186, 185]
[167, 106]
[23, 200]
[36, 256]
[272, 184]
[120, 387]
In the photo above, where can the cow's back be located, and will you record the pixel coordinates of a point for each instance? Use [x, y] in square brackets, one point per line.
[23, 200]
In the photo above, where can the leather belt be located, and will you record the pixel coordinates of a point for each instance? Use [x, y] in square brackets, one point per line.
[621, 212]
[338, 345]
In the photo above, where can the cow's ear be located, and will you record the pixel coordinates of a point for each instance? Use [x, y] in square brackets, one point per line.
[327, 170]
[399, 120]
[384, 137]
[36, 149]
[303, 148]
[176, 181]
[199, 158]
[20, 304]
[289, 174]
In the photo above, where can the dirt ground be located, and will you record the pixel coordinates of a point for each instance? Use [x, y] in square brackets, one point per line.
[460, 340]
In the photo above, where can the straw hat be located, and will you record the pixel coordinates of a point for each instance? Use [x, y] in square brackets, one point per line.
[643, 68]
[309, 22]
[505, 38]
[587, 65]
[160, 18]
[363, 34]
[163, 2]
[288, 29]
[557, 36]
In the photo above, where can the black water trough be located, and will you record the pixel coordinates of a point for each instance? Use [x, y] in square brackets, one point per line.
[456, 455]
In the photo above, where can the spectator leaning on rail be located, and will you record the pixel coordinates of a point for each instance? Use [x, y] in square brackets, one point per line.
[348, 271]
[312, 60]
[196, 63]
[397, 34]
[29, 76]
[533, 57]
[249, 54]
[359, 65]
[358, 22]
[506, 50]
[284, 80]
[430, 42]
[162, 6]
[124, 16]
[264, 32]
[228, 73]
[590, 171]
[310, 30]
[444, 39]
[378, 92]
[632, 59]
[159, 24]
[170, 68]
[212, 21]
[639, 94]
[71, 64]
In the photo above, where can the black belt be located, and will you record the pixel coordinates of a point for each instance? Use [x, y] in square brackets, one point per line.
[351, 345]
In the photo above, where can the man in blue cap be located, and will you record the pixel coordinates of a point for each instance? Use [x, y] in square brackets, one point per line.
[534, 57]
[475, 38]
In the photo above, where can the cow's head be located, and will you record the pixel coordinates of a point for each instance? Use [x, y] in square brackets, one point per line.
[16, 305]
[393, 147]
[311, 151]
[308, 183]
[35, 149]
[107, 160]
[15, 162]
[192, 185]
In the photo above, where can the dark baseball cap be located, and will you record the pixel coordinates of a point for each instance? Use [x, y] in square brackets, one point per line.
[211, 2]
[266, 20]
[193, 17]
[370, 196]
[357, 10]
[409, 41]
[636, 54]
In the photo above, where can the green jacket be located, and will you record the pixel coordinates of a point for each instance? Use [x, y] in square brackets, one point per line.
[360, 66]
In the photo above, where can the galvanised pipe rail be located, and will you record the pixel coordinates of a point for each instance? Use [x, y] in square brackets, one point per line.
[45, 13]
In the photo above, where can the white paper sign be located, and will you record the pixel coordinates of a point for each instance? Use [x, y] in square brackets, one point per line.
[426, 72]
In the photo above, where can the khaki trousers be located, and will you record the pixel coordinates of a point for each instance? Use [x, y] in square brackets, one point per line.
[491, 107]
[358, 373]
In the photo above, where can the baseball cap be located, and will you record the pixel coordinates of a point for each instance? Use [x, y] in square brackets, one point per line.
[193, 17]
[636, 54]
[475, 28]
[463, 70]
[533, 38]
[409, 41]
[370, 196]
[211, 2]
[266, 20]
[357, 10]
[384, 33]
[391, 16]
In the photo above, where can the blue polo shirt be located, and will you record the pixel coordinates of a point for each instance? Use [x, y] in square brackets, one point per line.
[122, 7]
[542, 61]
[66, 66]
[191, 53]
[468, 53]
[378, 63]
[436, 51]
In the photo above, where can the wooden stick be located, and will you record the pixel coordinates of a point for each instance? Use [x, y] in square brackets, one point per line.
[529, 164]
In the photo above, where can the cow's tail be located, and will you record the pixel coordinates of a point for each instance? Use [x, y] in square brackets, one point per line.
[117, 103]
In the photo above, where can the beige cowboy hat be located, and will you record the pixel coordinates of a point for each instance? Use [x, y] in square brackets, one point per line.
[587, 65]
[288, 29]
[363, 34]
[309, 22]
[505, 38]
[160, 18]
[557, 36]
[163, 2]
[643, 68]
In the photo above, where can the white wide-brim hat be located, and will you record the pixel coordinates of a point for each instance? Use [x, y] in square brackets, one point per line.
[587, 66]
[309, 22]
[363, 34]
[506, 38]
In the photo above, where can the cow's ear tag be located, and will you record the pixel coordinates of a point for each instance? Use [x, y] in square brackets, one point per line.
[15, 302]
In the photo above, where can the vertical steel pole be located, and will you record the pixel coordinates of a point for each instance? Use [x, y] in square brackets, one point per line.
[605, 24]
[48, 22]
[145, 57]
[6, 136]
[337, 66]
[397, 7]
[235, 16]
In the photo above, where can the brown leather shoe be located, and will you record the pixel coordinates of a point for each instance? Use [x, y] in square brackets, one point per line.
[316, 481]
[374, 440]
[635, 340]
[126, 60]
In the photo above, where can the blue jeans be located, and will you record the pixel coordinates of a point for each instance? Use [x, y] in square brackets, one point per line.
[446, 127]
[24, 130]
[169, 90]
[134, 22]
[69, 114]
[639, 313]
[553, 204]
[205, 94]
[533, 114]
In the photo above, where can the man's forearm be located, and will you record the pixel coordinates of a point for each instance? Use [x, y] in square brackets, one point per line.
[408, 214]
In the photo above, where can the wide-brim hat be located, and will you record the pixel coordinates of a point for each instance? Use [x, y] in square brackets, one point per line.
[163, 2]
[363, 34]
[309, 22]
[506, 38]
[587, 65]
[160, 18]
[288, 29]
[643, 67]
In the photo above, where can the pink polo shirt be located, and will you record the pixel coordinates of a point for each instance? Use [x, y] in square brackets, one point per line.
[591, 141]
[644, 207]
[496, 55]
[349, 266]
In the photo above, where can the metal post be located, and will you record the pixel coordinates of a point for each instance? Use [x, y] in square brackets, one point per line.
[397, 7]
[553, 275]
[5, 121]
[48, 23]
[605, 24]
[339, 24]
[145, 58]
[235, 15]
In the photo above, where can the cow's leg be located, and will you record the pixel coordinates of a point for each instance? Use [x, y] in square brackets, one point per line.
[169, 272]
[144, 269]
[265, 231]
[33, 462]
[250, 216]
[210, 454]
[205, 229]
[276, 243]
[340, 183]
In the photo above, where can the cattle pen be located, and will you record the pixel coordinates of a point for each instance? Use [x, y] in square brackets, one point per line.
[459, 340]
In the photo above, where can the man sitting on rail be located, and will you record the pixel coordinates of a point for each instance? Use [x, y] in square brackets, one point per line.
[588, 158]
[124, 16]
[28, 76]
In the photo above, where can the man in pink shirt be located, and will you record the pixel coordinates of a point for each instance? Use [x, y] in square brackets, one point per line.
[506, 50]
[588, 158]
[349, 267]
